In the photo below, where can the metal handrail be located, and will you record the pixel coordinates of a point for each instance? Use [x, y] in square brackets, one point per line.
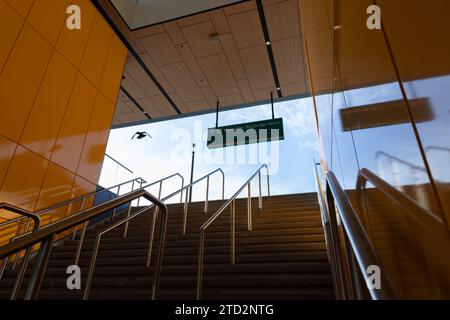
[23, 269]
[83, 230]
[233, 223]
[363, 253]
[152, 231]
[70, 201]
[46, 236]
[330, 238]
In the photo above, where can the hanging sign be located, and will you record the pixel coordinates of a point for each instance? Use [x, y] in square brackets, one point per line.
[245, 133]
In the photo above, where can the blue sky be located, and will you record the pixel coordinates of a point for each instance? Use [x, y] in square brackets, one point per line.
[169, 151]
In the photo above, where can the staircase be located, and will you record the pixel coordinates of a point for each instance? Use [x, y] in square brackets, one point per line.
[284, 257]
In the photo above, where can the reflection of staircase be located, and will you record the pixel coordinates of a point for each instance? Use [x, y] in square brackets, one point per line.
[284, 257]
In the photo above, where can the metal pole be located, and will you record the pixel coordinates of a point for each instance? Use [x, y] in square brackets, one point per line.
[260, 191]
[125, 232]
[75, 228]
[152, 235]
[21, 275]
[185, 212]
[192, 172]
[160, 189]
[201, 253]
[271, 102]
[80, 243]
[207, 191]
[39, 268]
[249, 207]
[217, 114]
[3, 267]
[223, 186]
[140, 186]
[233, 232]
[114, 211]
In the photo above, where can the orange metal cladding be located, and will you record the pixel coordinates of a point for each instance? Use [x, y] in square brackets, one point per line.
[404, 61]
[58, 89]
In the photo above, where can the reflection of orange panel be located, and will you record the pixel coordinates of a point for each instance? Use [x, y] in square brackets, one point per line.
[72, 43]
[96, 51]
[69, 144]
[7, 149]
[20, 80]
[114, 69]
[48, 16]
[10, 24]
[23, 181]
[96, 139]
[48, 110]
[21, 6]
[56, 188]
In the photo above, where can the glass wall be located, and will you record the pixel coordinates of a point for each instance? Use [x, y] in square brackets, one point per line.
[380, 104]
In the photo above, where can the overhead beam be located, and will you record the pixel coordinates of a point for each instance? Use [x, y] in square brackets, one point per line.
[262, 18]
[130, 48]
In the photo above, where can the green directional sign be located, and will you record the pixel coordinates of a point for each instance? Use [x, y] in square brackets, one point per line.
[245, 133]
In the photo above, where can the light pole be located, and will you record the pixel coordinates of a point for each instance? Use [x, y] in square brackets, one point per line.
[192, 172]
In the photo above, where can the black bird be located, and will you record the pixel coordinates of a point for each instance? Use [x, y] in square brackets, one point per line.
[140, 135]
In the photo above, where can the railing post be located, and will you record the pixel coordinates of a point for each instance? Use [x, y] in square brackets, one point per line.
[207, 192]
[39, 268]
[268, 183]
[114, 211]
[152, 235]
[140, 186]
[182, 190]
[260, 191]
[223, 186]
[125, 231]
[75, 228]
[80, 243]
[185, 211]
[21, 275]
[160, 189]
[160, 255]
[233, 232]
[3, 267]
[249, 207]
[201, 253]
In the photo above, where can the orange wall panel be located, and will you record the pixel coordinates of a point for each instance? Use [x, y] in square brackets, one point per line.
[10, 24]
[41, 129]
[58, 89]
[71, 137]
[96, 51]
[20, 80]
[24, 179]
[72, 43]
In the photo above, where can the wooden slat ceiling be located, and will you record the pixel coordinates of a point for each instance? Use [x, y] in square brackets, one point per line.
[196, 72]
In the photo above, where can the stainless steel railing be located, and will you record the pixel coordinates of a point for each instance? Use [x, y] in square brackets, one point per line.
[229, 202]
[153, 225]
[360, 253]
[23, 269]
[84, 227]
[45, 237]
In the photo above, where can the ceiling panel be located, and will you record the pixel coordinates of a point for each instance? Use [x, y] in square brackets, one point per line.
[246, 29]
[289, 57]
[196, 71]
[219, 75]
[257, 66]
[198, 38]
[182, 81]
[161, 49]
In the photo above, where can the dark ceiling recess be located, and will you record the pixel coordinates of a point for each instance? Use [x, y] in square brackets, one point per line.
[136, 56]
[262, 18]
[135, 102]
